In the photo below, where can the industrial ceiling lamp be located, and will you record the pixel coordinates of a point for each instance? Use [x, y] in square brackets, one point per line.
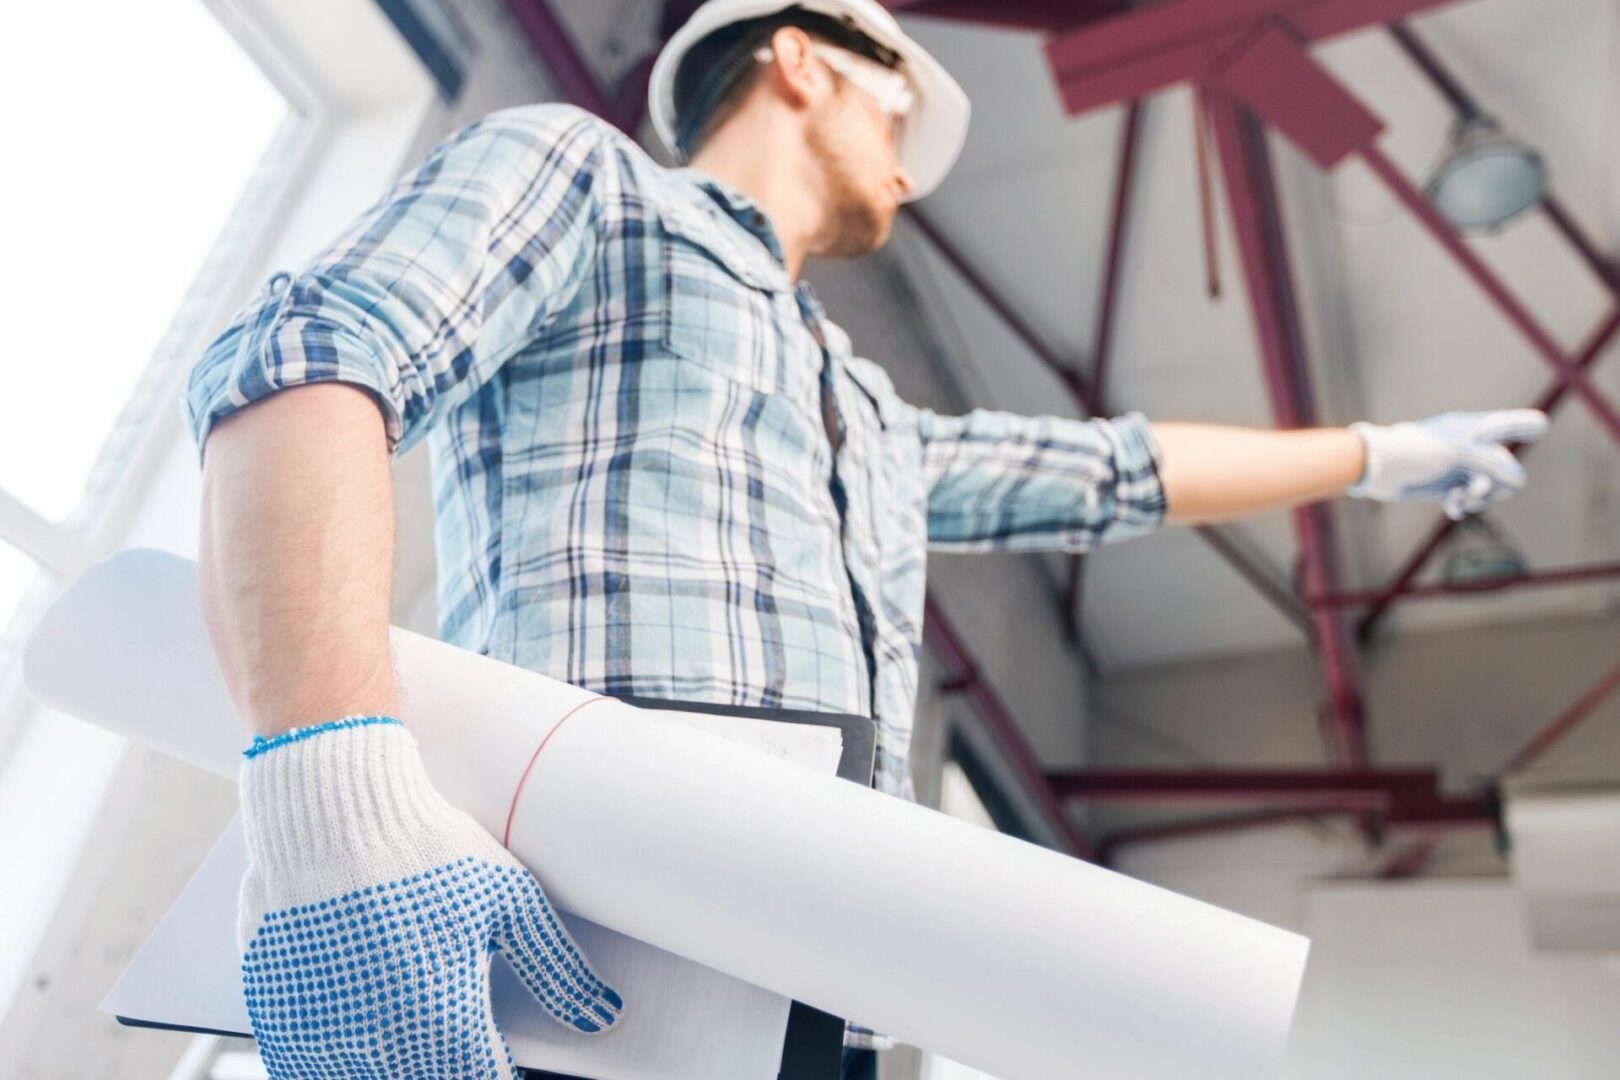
[1481, 556]
[1486, 179]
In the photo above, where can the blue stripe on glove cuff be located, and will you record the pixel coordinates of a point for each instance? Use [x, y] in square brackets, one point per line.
[292, 735]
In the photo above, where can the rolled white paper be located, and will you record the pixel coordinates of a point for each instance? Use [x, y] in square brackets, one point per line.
[994, 952]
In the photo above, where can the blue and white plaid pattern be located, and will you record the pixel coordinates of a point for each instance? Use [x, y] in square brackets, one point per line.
[621, 390]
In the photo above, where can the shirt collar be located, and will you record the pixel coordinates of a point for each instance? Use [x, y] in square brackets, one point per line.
[742, 209]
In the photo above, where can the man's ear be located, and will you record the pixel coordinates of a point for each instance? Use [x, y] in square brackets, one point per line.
[794, 72]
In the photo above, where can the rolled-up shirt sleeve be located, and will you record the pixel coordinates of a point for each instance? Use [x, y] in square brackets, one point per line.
[430, 290]
[998, 481]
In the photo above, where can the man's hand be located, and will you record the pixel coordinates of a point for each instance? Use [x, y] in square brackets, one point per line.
[1458, 459]
[371, 908]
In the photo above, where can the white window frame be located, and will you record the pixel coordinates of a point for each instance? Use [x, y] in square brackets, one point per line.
[361, 109]
[363, 98]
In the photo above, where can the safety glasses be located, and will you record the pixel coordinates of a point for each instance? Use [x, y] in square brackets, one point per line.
[890, 89]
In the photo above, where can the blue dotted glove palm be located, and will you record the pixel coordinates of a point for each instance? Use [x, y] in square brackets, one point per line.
[371, 909]
[1459, 459]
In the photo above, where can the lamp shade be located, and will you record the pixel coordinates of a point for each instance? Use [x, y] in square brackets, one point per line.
[1480, 555]
[1487, 178]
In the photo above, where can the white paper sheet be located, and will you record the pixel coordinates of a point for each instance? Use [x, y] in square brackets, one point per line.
[691, 1022]
[992, 951]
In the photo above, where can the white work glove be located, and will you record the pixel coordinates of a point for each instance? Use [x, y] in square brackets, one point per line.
[370, 911]
[1457, 459]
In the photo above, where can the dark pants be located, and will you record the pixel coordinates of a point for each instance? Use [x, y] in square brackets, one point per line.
[858, 1064]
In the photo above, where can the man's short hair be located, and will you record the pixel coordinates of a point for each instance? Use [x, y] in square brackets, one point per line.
[716, 73]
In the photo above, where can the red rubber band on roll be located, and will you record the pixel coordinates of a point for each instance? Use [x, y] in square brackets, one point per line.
[512, 811]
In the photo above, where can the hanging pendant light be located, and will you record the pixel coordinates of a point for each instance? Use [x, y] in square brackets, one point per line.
[1486, 178]
[1480, 556]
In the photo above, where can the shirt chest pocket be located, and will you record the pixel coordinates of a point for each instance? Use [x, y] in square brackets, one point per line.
[720, 302]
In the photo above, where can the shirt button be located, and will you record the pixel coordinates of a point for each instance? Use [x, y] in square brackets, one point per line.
[758, 219]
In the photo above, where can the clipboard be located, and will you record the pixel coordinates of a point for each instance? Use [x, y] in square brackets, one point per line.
[813, 1042]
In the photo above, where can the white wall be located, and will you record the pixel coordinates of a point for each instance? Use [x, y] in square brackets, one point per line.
[1438, 979]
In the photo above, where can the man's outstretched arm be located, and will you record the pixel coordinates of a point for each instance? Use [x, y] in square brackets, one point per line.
[998, 481]
[1212, 472]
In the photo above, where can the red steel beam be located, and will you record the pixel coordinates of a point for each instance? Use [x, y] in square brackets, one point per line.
[1257, 220]
[1565, 723]
[1118, 227]
[1602, 265]
[1046, 15]
[1102, 343]
[1410, 862]
[567, 65]
[625, 106]
[1569, 575]
[1357, 787]
[1463, 810]
[965, 678]
[1274, 77]
[1392, 796]
[630, 99]
[1469, 811]
[1443, 80]
[1149, 48]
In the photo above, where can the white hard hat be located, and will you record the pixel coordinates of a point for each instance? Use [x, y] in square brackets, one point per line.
[935, 126]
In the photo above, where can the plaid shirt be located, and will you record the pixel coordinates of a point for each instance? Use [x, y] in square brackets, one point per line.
[629, 408]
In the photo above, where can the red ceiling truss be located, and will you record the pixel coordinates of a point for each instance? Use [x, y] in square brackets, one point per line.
[1249, 62]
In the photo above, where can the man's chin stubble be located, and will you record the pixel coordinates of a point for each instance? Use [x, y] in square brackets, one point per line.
[862, 231]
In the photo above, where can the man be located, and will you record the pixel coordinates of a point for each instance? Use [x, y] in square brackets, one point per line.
[658, 470]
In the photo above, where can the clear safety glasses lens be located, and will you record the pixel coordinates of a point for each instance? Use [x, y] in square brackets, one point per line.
[889, 88]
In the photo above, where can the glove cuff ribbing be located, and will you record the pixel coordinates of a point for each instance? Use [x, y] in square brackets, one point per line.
[1368, 433]
[323, 796]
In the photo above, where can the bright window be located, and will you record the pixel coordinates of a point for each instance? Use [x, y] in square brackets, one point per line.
[166, 157]
[17, 572]
[133, 130]
[145, 151]
[18, 575]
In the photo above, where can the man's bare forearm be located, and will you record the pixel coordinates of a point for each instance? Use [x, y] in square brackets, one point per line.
[296, 558]
[1211, 472]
